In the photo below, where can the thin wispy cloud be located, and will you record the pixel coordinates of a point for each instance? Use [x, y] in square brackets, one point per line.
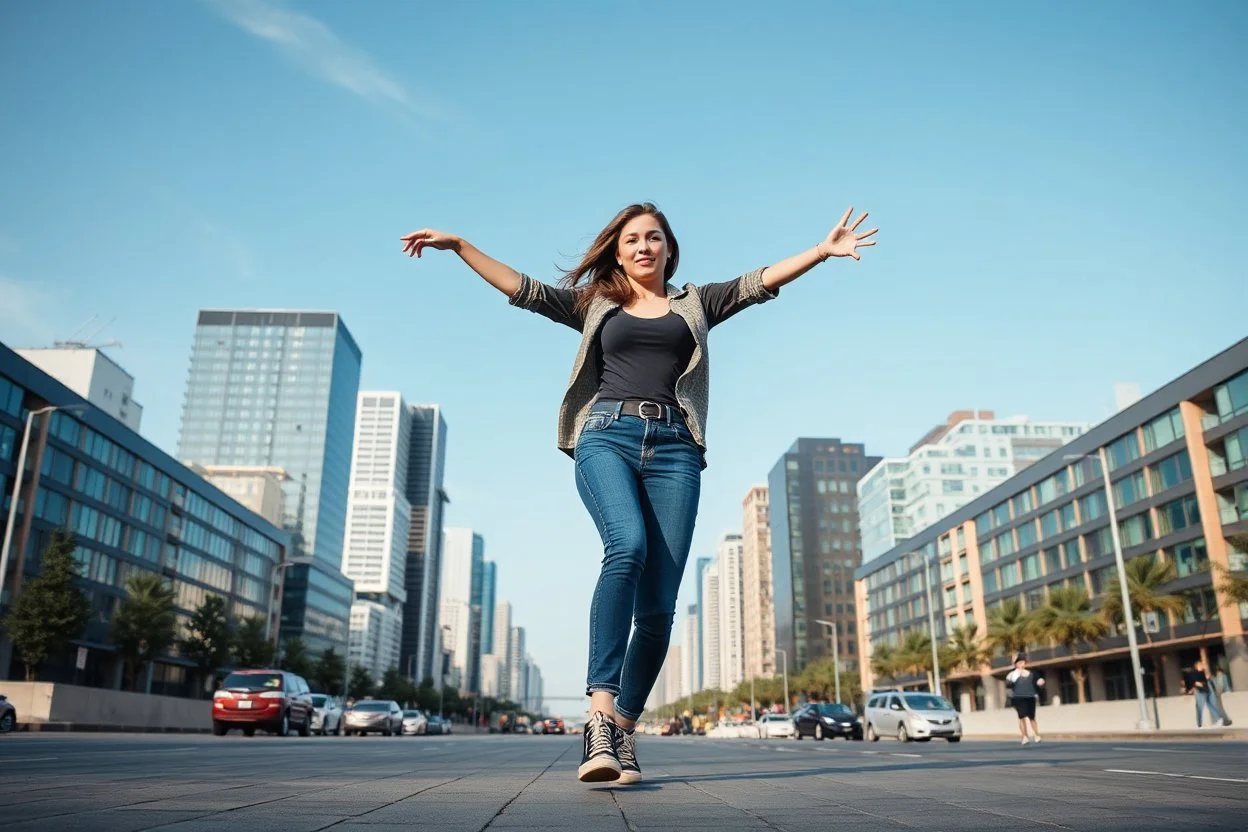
[313, 47]
[31, 312]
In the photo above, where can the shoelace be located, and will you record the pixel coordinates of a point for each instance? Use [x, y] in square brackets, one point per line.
[598, 737]
[627, 750]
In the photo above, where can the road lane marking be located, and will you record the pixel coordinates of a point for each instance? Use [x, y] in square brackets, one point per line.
[26, 759]
[1170, 774]
[1162, 750]
[900, 754]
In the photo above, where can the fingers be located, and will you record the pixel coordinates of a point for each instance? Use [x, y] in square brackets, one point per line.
[867, 243]
[858, 221]
[845, 219]
[866, 234]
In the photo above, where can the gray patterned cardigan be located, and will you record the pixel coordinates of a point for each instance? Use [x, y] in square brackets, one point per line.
[702, 307]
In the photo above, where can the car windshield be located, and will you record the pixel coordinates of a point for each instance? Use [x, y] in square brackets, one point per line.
[372, 706]
[253, 681]
[834, 710]
[318, 700]
[412, 714]
[927, 702]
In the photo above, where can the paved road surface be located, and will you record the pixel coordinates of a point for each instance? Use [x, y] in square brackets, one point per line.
[123, 783]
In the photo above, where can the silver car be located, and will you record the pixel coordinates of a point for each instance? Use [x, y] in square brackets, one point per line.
[374, 716]
[912, 716]
[326, 715]
[415, 722]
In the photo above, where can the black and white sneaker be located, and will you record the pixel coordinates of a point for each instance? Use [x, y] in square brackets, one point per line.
[600, 763]
[626, 751]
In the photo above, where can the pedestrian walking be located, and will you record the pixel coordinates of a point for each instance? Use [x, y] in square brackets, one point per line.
[1025, 687]
[633, 418]
[1198, 685]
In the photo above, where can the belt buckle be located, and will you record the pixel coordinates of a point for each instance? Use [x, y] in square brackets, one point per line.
[641, 410]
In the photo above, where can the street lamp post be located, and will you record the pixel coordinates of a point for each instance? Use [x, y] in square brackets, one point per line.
[931, 621]
[785, 654]
[17, 493]
[1144, 723]
[836, 659]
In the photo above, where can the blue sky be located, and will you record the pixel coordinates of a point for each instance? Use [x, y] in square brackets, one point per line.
[1060, 190]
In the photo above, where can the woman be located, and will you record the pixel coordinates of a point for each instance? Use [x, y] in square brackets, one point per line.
[634, 419]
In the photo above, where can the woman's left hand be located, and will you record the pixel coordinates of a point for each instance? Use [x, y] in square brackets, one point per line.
[843, 242]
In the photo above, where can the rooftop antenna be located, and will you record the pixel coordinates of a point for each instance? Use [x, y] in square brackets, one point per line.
[74, 342]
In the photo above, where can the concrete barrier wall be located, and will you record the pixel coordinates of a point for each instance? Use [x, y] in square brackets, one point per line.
[1173, 713]
[41, 702]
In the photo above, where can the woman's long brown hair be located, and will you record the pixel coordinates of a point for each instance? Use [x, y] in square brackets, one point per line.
[599, 275]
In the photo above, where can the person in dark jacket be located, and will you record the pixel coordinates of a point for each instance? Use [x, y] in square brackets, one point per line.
[1025, 688]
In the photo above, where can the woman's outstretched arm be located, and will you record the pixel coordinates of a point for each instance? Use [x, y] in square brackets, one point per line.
[499, 275]
[840, 242]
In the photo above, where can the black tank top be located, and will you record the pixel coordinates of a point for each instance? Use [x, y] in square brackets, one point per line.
[641, 358]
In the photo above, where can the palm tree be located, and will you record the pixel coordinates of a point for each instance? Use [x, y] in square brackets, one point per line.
[1010, 627]
[965, 650]
[915, 655]
[1146, 575]
[884, 662]
[1069, 620]
[1234, 586]
[144, 625]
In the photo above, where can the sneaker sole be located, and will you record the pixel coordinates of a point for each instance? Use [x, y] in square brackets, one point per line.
[628, 778]
[601, 770]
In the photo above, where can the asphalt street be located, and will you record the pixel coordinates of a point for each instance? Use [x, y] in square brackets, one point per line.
[187, 783]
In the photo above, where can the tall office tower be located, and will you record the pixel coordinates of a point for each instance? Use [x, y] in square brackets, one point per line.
[970, 454]
[700, 567]
[671, 669]
[758, 611]
[533, 686]
[378, 516]
[489, 582]
[690, 655]
[815, 547]
[91, 374]
[426, 495]
[278, 389]
[515, 670]
[463, 555]
[491, 673]
[711, 678]
[731, 654]
[501, 642]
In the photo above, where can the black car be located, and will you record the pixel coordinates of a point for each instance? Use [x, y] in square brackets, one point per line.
[8, 716]
[826, 720]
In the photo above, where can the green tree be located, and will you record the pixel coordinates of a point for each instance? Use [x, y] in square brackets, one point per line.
[1234, 583]
[1068, 619]
[295, 657]
[330, 671]
[1010, 628]
[51, 611]
[208, 639]
[396, 686]
[251, 648]
[361, 685]
[965, 649]
[144, 624]
[884, 662]
[1146, 575]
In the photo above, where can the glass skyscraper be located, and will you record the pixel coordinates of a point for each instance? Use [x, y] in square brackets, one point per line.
[426, 495]
[278, 388]
[489, 577]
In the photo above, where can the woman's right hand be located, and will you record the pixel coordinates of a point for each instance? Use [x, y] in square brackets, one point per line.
[417, 241]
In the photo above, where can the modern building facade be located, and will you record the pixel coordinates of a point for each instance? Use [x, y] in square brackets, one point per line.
[728, 557]
[257, 487]
[133, 510]
[815, 547]
[427, 497]
[711, 611]
[278, 388]
[517, 672]
[463, 557]
[501, 642]
[970, 454]
[489, 583]
[690, 655]
[700, 567]
[93, 376]
[378, 518]
[1178, 470]
[758, 611]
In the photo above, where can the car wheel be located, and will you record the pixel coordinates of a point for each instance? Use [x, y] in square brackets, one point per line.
[283, 725]
[249, 732]
[305, 727]
[902, 734]
[954, 739]
[871, 733]
[819, 733]
[7, 723]
[218, 728]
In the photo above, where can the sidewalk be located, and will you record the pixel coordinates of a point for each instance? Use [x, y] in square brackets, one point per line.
[1234, 732]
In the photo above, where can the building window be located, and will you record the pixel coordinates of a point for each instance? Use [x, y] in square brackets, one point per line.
[1129, 489]
[1189, 558]
[1171, 471]
[1123, 451]
[1163, 430]
[1177, 514]
[1231, 398]
[1136, 530]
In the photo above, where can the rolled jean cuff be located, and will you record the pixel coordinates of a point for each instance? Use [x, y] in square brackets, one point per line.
[626, 714]
[614, 690]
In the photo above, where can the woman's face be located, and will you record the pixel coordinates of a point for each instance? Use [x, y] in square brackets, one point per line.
[642, 250]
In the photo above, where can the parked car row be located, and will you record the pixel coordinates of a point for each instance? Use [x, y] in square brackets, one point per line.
[279, 702]
[905, 715]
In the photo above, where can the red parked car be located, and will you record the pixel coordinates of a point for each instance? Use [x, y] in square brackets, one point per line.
[271, 700]
[553, 725]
